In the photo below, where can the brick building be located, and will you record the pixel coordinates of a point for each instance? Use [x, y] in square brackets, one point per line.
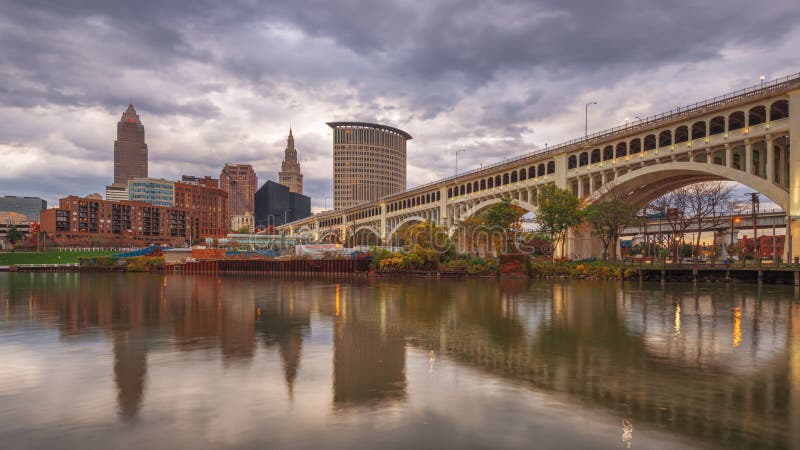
[93, 222]
[206, 204]
[765, 245]
[240, 182]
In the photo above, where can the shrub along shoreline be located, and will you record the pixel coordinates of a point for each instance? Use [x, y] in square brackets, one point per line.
[113, 264]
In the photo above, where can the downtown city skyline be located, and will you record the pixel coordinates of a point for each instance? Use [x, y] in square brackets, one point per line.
[221, 84]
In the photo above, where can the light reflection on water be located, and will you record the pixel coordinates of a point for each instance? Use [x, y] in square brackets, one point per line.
[131, 361]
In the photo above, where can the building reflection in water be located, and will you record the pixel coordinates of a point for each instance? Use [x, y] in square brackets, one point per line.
[283, 321]
[368, 357]
[713, 364]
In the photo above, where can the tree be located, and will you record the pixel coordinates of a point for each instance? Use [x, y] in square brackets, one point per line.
[425, 235]
[701, 205]
[610, 218]
[675, 207]
[243, 230]
[503, 216]
[558, 211]
[14, 235]
[708, 202]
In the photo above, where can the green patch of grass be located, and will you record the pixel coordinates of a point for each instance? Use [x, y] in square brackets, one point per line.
[48, 257]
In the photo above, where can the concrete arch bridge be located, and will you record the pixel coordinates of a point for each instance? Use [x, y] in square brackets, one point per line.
[744, 136]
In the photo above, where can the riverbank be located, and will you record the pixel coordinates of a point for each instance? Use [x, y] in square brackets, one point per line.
[703, 273]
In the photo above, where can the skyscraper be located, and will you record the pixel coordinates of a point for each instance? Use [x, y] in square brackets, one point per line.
[276, 205]
[290, 175]
[130, 150]
[369, 162]
[240, 182]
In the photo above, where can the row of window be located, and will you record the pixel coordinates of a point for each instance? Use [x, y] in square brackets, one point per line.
[422, 199]
[699, 130]
[499, 180]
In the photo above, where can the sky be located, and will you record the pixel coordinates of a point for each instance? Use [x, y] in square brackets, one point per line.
[220, 82]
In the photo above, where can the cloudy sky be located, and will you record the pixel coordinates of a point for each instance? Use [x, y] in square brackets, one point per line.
[218, 82]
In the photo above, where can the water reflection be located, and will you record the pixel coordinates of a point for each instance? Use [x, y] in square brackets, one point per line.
[713, 365]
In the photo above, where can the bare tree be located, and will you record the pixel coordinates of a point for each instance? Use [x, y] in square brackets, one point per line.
[700, 205]
[676, 206]
[708, 203]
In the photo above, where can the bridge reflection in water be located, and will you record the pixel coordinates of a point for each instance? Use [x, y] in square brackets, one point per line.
[717, 364]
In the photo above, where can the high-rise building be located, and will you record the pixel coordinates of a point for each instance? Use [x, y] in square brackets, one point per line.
[240, 182]
[130, 150]
[30, 207]
[156, 191]
[290, 175]
[369, 162]
[275, 205]
[206, 204]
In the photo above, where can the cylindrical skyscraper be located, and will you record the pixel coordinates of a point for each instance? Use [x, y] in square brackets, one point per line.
[369, 162]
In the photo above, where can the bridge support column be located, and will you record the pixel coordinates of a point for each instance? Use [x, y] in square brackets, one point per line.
[723, 239]
[581, 243]
[793, 226]
[728, 156]
[770, 159]
[748, 149]
[382, 227]
[445, 218]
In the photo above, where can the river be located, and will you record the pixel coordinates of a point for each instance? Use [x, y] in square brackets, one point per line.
[123, 361]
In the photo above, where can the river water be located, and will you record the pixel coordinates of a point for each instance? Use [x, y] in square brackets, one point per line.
[148, 361]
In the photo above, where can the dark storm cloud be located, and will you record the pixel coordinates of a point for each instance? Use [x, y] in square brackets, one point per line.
[208, 77]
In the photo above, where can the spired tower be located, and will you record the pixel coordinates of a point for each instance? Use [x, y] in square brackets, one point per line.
[130, 150]
[290, 175]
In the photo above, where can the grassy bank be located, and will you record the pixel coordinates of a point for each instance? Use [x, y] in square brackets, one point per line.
[48, 257]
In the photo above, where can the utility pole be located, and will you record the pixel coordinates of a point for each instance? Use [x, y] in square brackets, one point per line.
[754, 201]
[586, 121]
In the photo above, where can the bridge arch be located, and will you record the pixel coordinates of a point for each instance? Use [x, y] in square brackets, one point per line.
[644, 185]
[400, 224]
[529, 207]
[369, 228]
[333, 234]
